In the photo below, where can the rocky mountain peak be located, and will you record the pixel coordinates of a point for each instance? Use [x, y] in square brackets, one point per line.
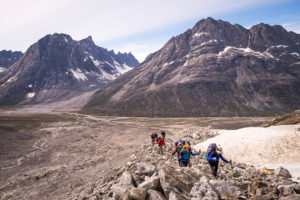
[213, 69]
[58, 67]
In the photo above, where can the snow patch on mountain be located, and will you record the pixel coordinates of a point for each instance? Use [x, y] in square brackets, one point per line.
[208, 42]
[122, 68]
[30, 94]
[168, 63]
[2, 69]
[244, 50]
[78, 74]
[95, 61]
[200, 34]
[295, 54]
[108, 76]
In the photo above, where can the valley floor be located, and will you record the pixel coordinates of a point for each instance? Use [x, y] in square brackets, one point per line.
[55, 155]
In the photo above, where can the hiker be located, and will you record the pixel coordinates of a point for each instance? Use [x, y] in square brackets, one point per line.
[190, 151]
[178, 147]
[177, 150]
[161, 143]
[185, 156]
[211, 154]
[153, 138]
[163, 134]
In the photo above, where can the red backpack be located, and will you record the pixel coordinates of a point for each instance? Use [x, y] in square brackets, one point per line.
[161, 142]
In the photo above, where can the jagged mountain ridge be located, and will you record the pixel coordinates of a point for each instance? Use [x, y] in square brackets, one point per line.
[58, 67]
[213, 69]
[7, 58]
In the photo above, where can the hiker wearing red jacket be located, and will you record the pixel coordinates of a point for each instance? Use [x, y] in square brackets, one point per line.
[161, 142]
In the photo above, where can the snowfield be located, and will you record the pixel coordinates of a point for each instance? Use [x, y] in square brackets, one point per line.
[262, 147]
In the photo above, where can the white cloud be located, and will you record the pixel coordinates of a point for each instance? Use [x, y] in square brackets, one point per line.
[141, 49]
[292, 26]
[24, 22]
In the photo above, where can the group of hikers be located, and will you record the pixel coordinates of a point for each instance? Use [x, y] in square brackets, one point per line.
[184, 152]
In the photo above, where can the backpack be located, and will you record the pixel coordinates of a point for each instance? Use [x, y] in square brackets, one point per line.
[161, 142]
[153, 135]
[212, 147]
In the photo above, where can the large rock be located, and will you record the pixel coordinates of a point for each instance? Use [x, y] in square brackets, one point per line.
[122, 191]
[150, 183]
[297, 188]
[127, 179]
[237, 172]
[204, 191]
[223, 187]
[138, 193]
[145, 169]
[154, 195]
[176, 180]
[286, 190]
[282, 172]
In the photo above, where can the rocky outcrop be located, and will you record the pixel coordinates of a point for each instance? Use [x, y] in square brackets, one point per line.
[58, 67]
[213, 69]
[160, 178]
[287, 119]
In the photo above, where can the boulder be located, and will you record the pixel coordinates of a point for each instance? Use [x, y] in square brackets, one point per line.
[145, 169]
[176, 180]
[204, 191]
[282, 172]
[121, 190]
[150, 183]
[285, 190]
[138, 193]
[297, 188]
[126, 179]
[173, 196]
[154, 195]
[223, 187]
[237, 172]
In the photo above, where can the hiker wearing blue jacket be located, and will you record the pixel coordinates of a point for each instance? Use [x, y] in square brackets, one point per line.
[213, 160]
[185, 155]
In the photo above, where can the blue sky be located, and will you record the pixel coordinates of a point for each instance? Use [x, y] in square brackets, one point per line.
[139, 26]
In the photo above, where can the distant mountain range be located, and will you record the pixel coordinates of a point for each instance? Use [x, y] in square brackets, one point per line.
[7, 58]
[213, 69]
[58, 67]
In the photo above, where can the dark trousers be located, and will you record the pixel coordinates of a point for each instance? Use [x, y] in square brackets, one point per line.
[183, 164]
[214, 167]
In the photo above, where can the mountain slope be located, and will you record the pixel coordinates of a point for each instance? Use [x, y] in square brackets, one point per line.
[7, 58]
[58, 67]
[213, 69]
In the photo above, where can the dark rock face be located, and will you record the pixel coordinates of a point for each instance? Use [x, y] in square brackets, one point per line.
[58, 67]
[213, 69]
[7, 58]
